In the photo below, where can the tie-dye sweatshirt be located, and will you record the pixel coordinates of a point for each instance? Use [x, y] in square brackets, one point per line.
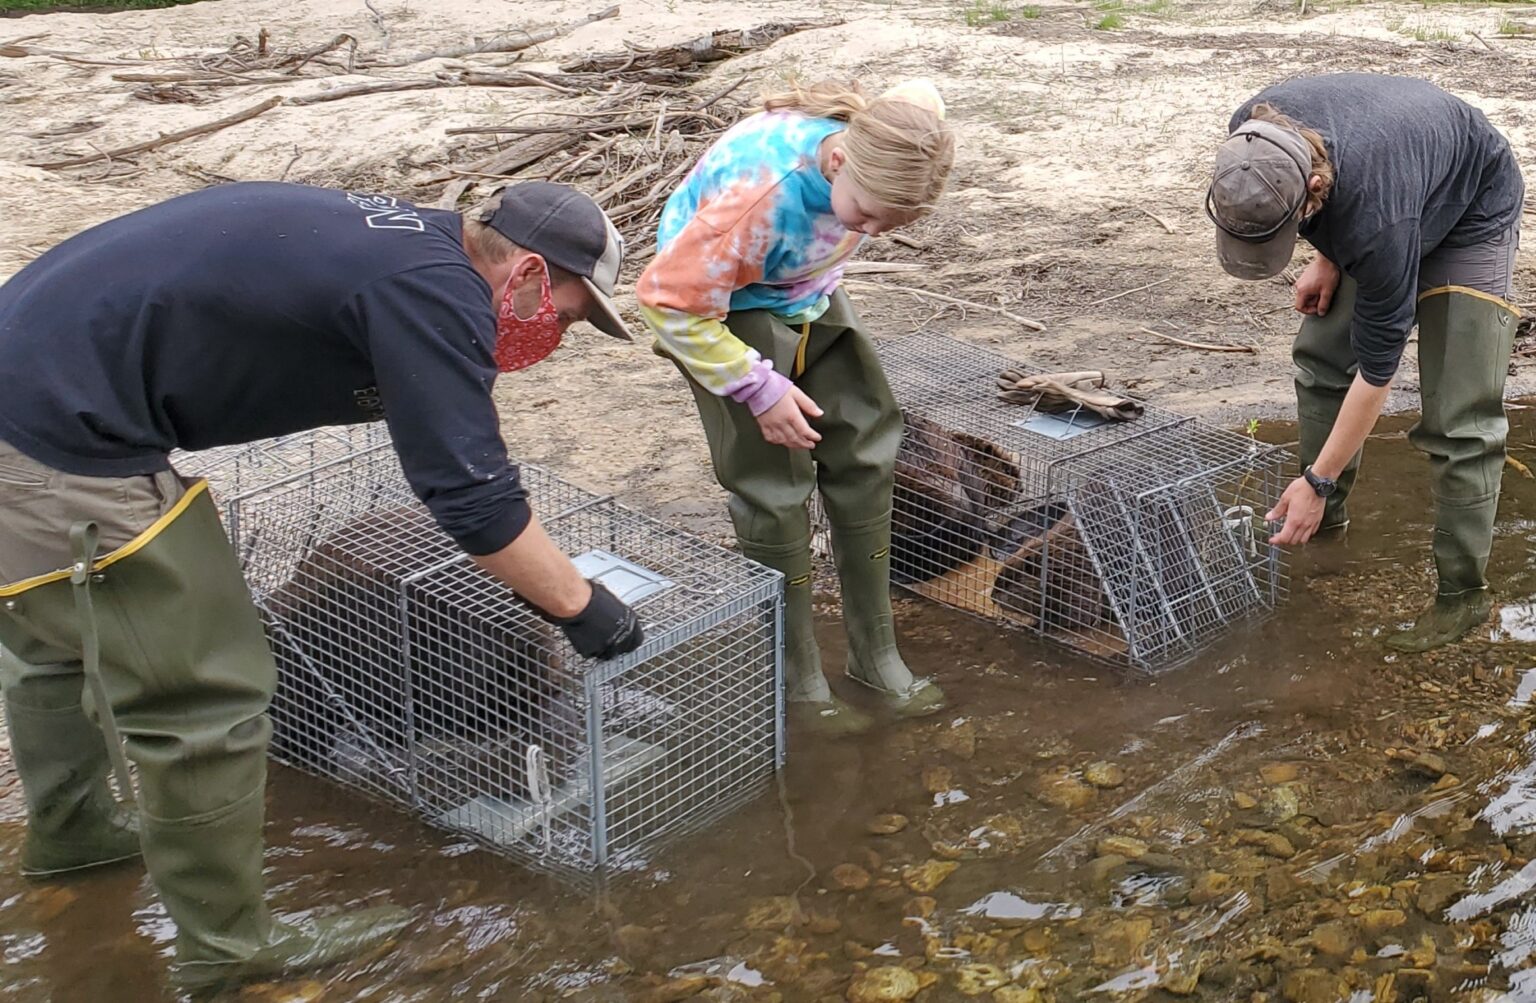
[751, 228]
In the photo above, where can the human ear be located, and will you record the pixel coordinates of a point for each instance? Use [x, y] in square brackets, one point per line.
[1315, 184]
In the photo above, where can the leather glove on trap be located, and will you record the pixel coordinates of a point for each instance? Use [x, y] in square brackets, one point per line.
[1054, 393]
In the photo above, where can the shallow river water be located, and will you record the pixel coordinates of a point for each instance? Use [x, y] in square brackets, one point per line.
[1296, 816]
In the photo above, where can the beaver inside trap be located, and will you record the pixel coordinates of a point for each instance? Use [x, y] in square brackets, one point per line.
[1136, 544]
[964, 535]
[408, 671]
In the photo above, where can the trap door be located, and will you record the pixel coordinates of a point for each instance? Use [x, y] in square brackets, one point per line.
[1110, 522]
[499, 730]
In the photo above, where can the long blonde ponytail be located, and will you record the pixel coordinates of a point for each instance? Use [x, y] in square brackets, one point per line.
[899, 148]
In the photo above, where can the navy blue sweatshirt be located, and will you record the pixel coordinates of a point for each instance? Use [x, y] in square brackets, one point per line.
[1415, 168]
[251, 310]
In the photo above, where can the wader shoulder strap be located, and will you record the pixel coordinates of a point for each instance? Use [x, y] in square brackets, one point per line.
[83, 538]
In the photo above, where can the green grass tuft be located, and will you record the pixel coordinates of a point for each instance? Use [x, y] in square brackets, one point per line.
[1110, 22]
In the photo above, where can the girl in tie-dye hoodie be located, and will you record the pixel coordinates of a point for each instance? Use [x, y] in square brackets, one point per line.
[743, 295]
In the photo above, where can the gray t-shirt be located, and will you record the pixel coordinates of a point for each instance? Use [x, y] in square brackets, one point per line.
[1414, 168]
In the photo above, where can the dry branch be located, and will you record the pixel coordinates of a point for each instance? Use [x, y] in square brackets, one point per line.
[1202, 346]
[1138, 289]
[471, 78]
[1033, 325]
[710, 48]
[514, 42]
[166, 140]
[298, 61]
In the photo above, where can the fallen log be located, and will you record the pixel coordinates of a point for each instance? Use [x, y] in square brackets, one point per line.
[514, 42]
[711, 48]
[166, 140]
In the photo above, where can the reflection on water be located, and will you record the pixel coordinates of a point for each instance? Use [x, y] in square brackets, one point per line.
[1295, 817]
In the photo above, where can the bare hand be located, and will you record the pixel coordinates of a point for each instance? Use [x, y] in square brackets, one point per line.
[1316, 286]
[1302, 510]
[784, 424]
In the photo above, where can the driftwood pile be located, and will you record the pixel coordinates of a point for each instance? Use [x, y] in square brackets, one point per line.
[625, 126]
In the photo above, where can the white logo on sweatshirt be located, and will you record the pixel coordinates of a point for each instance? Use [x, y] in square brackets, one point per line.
[384, 212]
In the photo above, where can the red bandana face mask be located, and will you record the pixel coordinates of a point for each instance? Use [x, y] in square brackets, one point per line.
[522, 342]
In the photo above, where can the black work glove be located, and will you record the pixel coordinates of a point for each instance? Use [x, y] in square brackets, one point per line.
[605, 629]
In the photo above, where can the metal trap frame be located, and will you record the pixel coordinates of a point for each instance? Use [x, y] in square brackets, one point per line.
[410, 675]
[1137, 543]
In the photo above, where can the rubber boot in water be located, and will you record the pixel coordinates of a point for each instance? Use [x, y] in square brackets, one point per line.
[73, 821]
[1465, 341]
[809, 702]
[863, 555]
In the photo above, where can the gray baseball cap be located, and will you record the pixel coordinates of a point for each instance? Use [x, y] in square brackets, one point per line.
[1256, 196]
[568, 230]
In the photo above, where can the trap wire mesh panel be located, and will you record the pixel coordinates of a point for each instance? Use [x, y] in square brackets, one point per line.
[409, 674]
[1138, 543]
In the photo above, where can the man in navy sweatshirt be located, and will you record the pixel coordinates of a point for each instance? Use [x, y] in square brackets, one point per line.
[231, 314]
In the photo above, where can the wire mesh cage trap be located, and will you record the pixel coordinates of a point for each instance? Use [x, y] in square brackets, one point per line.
[409, 674]
[1135, 542]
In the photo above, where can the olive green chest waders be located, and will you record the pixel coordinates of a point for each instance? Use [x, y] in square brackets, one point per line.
[1465, 340]
[173, 645]
[853, 466]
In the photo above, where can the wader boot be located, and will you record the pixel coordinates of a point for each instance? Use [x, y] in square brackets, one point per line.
[73, 820]
[863, 555]
[808, 700]
[1465, 341]
[1325, 370]
[861, 433]
[187, 676]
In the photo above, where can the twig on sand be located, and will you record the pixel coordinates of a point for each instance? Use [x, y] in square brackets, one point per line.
[1200, 345]
[1484, 41]
[1138, 289]
[377, 17]
[298, 152]
[1033, 325]
[168, 139]
[502, 43]
[1160, 220]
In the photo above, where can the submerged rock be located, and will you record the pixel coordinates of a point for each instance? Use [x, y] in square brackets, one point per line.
[1017, 994]
[1104, 775]
[1116, 945]
[937, 779]
[1436, 892]
[1271, 843]
[1061, 790]
[886, 984]
[929, 875]
[957, 740]
[774, 914]
[973, 980]
[1314, 985]
[1336, 939]
[1210, 886]
[848, 878]
[1128, 847]
[1278, 773]
[1376, 922]
[675, 990]
[886, 825]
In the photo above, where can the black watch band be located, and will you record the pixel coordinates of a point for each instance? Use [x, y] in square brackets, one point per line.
[1322, 485]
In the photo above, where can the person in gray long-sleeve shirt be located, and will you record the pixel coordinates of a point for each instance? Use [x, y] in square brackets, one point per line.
[1412, 200]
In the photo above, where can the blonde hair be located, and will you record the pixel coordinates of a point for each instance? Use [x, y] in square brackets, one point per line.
[1322, 167]
[898, 151]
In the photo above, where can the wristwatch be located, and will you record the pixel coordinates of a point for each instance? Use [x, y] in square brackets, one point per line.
[1324, 486]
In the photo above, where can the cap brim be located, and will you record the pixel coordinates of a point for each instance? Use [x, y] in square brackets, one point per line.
[1256, 261]
[604, 315]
